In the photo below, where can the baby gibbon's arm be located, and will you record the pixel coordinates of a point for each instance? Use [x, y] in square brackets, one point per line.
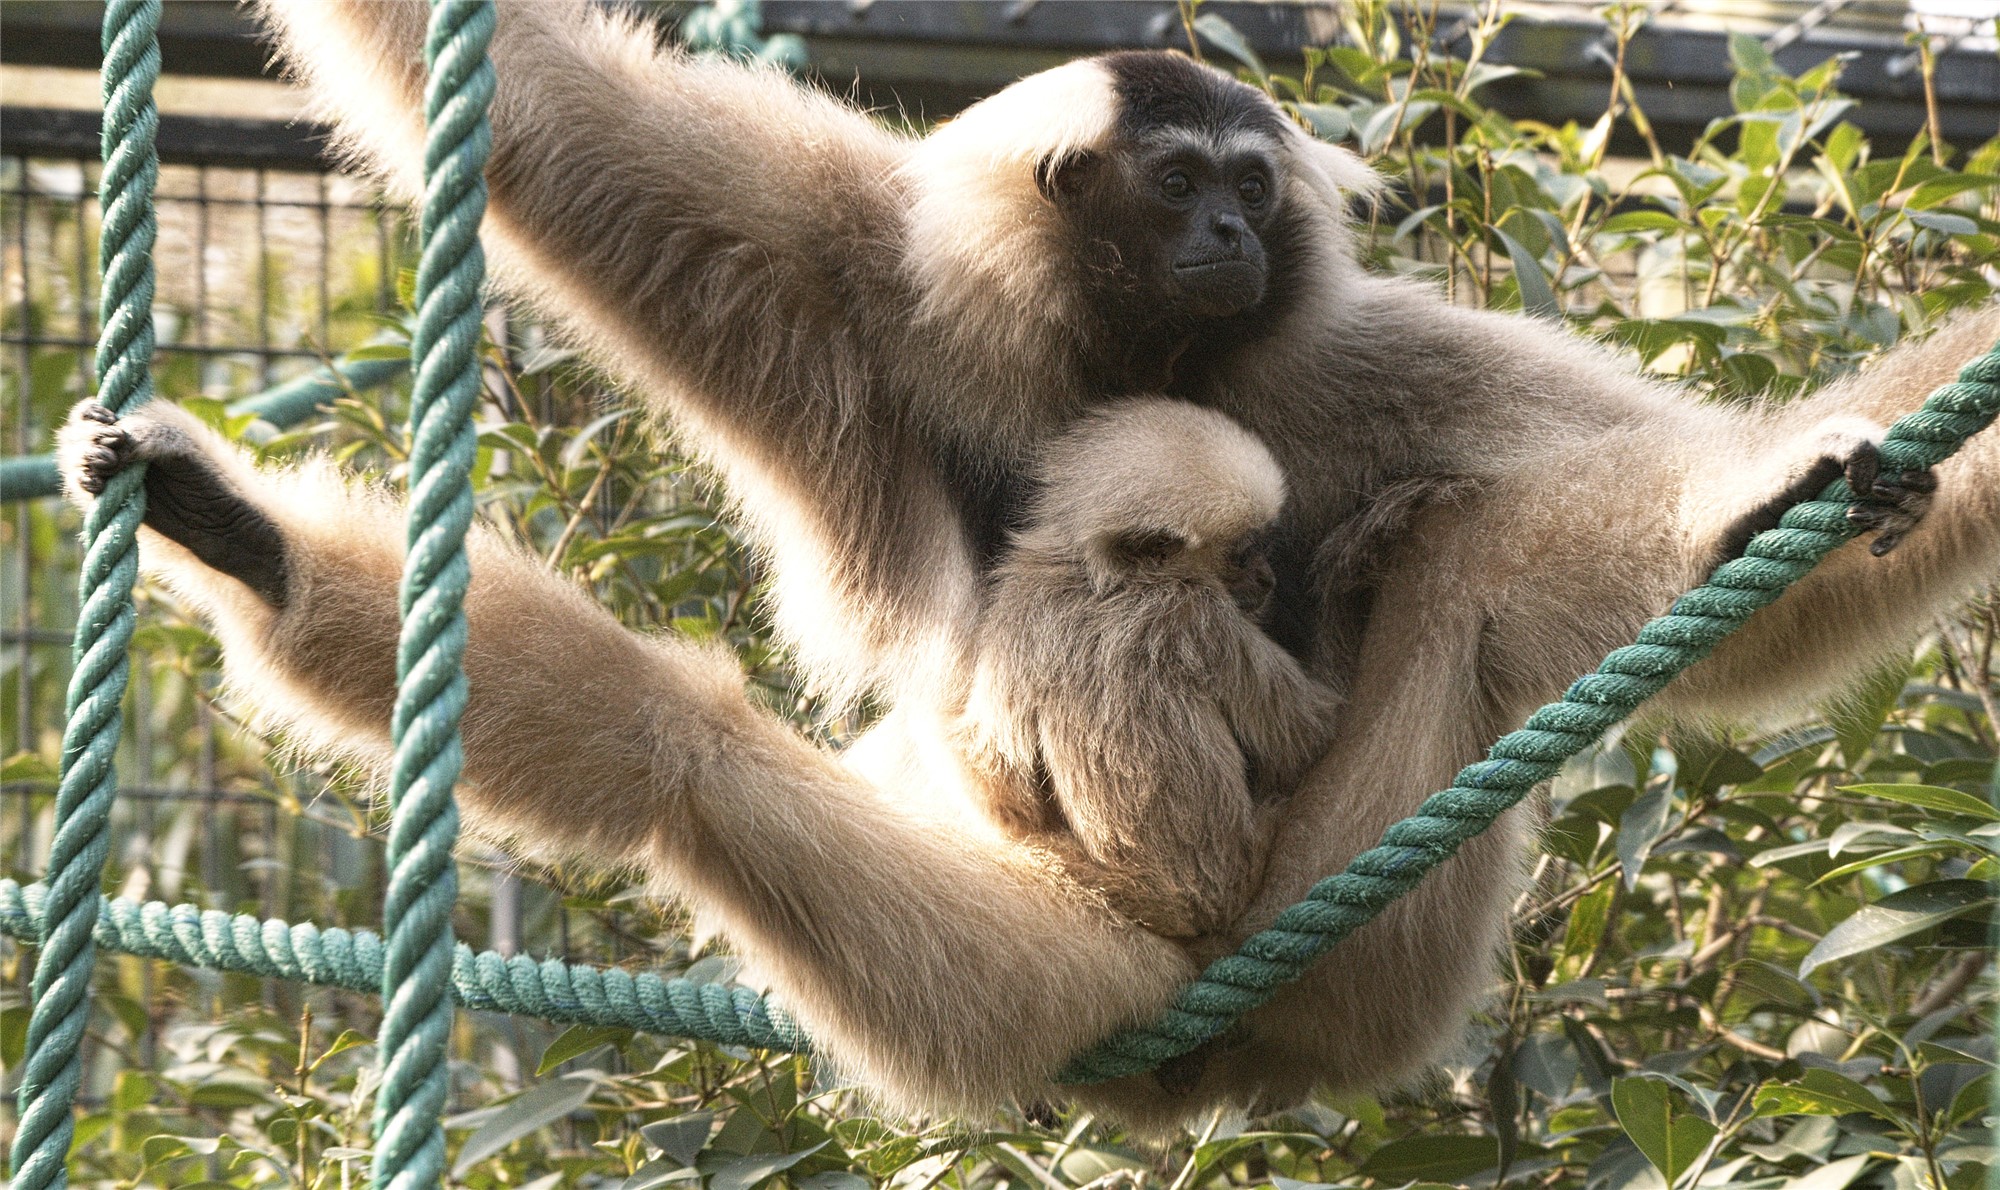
[948, 970]
[1144, 741]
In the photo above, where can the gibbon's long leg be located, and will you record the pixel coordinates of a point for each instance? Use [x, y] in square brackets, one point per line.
[1489, 606]
[729, 243]
[947, 966]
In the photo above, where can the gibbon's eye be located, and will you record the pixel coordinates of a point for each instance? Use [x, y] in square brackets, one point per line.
[1143, 548]
[1253, 189]
[1177, 185]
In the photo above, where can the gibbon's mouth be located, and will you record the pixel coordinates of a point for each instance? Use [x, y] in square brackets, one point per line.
[1196, 268]
[1221, 287]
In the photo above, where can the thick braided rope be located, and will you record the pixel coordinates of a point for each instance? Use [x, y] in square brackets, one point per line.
[1231, 986]
[430, 687]
[552, 990]
[52, 1067]
[1698, 621]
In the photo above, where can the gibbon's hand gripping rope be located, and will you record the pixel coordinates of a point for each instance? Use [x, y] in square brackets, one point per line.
[419, 962]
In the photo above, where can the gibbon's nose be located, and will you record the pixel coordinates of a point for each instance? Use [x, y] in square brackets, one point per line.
[1229, 227]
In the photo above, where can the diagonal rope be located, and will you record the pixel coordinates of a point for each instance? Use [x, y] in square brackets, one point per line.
[1699, 620]
[52, 1067]
[430, 685]
[1231, 986]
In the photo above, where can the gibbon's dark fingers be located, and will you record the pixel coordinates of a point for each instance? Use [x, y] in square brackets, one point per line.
[1893, 508]
[189, 501]
[1849, 448]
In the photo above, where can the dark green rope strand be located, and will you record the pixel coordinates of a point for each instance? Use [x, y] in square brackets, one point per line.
[430, 679]
[1699, 620]
[567, 993]
[52, 1066]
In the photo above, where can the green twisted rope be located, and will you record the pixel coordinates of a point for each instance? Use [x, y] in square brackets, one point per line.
[52, 1068]
[1698, 621]
[430, 680]
[352, 959]
[1338, 905]
[420, 966]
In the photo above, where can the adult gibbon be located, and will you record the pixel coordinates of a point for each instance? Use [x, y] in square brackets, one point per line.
[869, 335]
[1128, 712]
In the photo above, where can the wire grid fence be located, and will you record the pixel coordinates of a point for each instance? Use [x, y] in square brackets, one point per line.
[264, 274]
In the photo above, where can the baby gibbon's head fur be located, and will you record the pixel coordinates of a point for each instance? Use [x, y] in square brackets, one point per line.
[1154, 489]
[1138, 205]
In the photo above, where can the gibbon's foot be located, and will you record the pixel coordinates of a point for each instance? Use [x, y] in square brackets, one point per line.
[1889, 507]
[1040, 1114]
[1180, 1076]
[189, 500]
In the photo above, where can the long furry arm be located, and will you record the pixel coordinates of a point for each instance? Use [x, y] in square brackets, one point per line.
[1857, 610]
[1568, 557]
[726, 241]
[895, 936]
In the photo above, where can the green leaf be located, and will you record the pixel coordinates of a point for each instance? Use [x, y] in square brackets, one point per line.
[1834, 1175]
[1671, 1141]
[578, 1040]
[1821, 1092]
[1586, 930]
[1858, 717]
[681, 1138]
[1942, 189]
[1973, 1099]
[1930, 797]
[1897, 916]
[27, 766]
[1537, 297]
[655, 1174]
[533, 1109]
[1641, 826]
[1895, 856]
[1224, 36]
[347, 1040]
[743, 1173]
[1330, 122]
[1630, 221]
[1547, 1064]
[1440, 1158]
[1944, 222]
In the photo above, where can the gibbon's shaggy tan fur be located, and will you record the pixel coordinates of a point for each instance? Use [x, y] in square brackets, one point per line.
[1127, 712]
[868, 335]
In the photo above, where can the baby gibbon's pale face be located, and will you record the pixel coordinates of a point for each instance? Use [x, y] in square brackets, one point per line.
[1152, 490]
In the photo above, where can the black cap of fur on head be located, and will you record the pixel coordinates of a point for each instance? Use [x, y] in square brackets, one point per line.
[1164, 89]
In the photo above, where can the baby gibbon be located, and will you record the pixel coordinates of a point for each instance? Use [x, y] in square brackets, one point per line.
[1128, 711]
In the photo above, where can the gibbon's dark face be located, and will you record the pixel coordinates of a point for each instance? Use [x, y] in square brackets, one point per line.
[1174, 219]
[1243, 567]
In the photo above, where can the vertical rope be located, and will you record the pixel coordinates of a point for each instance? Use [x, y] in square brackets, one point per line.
[423, 881]
[53, 1066]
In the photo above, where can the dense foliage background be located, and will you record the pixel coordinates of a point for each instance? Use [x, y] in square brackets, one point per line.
[1748, 960]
